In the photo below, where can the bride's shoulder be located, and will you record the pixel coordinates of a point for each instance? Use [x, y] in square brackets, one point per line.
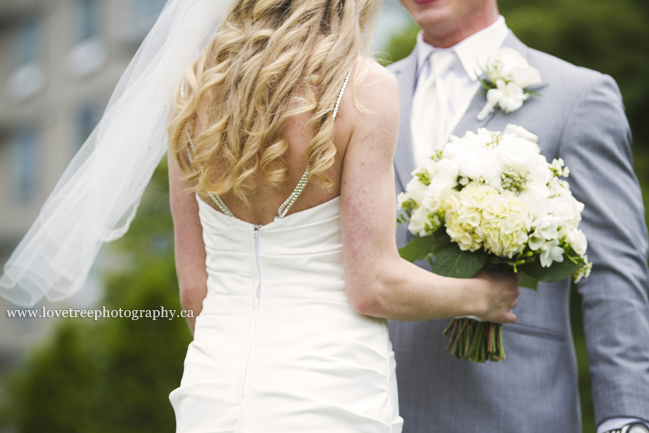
[372, 79]
[375, 91]
[375, 70]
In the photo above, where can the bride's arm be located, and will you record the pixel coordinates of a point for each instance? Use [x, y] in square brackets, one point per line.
[189, 245]
[377, 281]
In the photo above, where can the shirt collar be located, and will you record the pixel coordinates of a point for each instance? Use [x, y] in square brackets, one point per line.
[473, 51]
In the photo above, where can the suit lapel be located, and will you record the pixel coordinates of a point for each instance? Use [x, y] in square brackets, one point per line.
[403, 158]
[469, 121]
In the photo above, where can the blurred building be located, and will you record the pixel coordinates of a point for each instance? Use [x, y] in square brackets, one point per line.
[59, 62]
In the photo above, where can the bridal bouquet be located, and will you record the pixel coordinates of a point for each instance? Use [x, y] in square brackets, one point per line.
[492, 200]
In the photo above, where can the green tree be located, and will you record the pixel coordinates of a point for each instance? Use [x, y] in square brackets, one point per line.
[610, 36]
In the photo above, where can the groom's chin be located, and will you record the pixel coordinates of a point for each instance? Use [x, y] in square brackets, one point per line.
[434, 15]
[428, 8]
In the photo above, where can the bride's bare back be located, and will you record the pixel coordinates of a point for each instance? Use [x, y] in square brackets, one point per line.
[264, 200]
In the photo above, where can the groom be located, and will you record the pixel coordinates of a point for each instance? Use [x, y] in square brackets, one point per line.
[579, 117]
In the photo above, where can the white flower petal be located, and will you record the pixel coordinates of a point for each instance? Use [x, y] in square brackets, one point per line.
[487, 110]
[577, 240]
[525, 76]
[521, 132]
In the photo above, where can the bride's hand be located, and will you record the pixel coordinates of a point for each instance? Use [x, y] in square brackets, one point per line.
[500, 294]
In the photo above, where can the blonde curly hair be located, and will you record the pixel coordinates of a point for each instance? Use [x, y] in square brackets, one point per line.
[269, 60]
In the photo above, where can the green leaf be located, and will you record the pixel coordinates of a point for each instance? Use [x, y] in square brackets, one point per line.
[531, 92]
[417, 249]
[529, 282]
[421, 247]
[556, 272]
[451, 261]
[486, 84]
[442, 239]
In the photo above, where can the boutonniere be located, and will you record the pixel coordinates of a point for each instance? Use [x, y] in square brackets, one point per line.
[506, 80]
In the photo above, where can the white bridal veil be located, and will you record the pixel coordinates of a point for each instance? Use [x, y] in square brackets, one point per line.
[96, 199]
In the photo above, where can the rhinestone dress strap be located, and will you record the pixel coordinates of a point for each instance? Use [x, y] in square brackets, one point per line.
[284, 208]
[290, 201]
[342, 91]
[215, 198]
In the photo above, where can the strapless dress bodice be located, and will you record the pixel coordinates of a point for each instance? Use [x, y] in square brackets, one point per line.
[277, 346]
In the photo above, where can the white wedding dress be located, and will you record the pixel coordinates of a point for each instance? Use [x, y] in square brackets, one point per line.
[277, 347]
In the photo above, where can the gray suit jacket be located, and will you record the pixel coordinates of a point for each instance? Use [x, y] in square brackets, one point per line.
[580, 118]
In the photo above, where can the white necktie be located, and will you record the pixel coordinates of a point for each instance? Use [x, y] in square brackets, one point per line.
[430, 117]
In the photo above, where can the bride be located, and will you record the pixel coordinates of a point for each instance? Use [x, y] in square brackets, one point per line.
[283, 202]
[281, 141]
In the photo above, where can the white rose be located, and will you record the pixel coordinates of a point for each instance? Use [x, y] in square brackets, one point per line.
[479, 163]
[445, 173]
[416, 190]
[526, 76]
[566, 208]
[417, 221]
[520, 132]
[577, 240]
[458, 147]
[509, 65]
[510, 73]
[432, 204]
[533, 196]
[517, 153]
[539, 172]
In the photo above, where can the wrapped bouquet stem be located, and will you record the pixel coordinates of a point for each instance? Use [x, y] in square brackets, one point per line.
[491, 200]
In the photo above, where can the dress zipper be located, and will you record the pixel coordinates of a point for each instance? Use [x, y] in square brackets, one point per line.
[256, 235]
[255, 316]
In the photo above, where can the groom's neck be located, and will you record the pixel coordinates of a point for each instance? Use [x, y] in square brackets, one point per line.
[446, 34]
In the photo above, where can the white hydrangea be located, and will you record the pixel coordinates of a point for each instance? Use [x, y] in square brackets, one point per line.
[506, 226]
[479, 216]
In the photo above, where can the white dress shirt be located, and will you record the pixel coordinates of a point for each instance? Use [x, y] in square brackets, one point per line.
[461, 80]
[617, 423]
